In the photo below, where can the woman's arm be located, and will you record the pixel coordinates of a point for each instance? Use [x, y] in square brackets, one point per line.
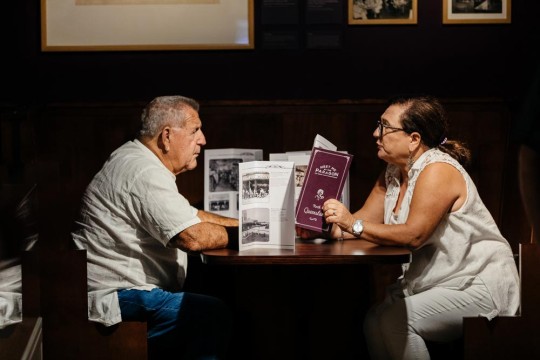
[372, 211]
[440, 189]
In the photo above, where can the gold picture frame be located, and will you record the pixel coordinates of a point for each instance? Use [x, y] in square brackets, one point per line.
[477, 12]
[132, 25]
[383, 12]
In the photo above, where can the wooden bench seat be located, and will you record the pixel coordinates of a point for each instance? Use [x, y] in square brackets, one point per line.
[67, 332]
[510, 337]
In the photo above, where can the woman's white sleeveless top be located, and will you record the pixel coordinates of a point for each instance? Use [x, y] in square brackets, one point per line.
[466, 244]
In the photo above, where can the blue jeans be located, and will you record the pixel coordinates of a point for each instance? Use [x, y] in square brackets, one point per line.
[180, 325]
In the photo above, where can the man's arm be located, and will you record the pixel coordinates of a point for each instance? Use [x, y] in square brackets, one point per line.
[216, 219]
[210, 233]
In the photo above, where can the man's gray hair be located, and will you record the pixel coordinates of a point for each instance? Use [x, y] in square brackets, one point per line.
[165, 111]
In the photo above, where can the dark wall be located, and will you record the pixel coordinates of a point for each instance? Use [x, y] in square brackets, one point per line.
[94, 131]
[374, 61]
[71, 109]
[456, 62]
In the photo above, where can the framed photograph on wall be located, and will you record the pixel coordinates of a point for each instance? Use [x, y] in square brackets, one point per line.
[476, 11]
[127, 25]
[376, 12]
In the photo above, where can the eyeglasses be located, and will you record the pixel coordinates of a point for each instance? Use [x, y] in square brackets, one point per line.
[381, 127]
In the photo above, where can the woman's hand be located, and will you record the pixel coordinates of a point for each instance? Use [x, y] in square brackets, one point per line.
[336, 213]
[307, 234]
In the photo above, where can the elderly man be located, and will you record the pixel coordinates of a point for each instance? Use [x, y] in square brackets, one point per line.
[137, 230]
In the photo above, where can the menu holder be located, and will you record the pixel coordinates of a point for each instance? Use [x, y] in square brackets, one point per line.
[266, 205]
[221, 182]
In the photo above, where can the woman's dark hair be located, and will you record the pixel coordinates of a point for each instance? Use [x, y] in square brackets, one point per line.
[425, 115]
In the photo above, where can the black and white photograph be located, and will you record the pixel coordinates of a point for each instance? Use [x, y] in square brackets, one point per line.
[376, 12]
[477, 6]
[476, 11]
[219, 205]
[255, 186]
[223, 175]
[255, 225]
[299, 175]
[221, 178]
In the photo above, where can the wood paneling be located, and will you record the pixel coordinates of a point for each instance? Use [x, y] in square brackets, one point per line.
[510, 337]
[74, 139]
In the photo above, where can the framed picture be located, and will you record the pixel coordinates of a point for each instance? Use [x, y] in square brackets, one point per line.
[476, 11]
[375, 12]
[127, 25]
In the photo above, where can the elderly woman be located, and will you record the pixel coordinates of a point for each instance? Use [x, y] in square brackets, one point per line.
[425, 200]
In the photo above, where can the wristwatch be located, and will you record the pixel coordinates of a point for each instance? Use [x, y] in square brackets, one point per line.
[358, 227]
